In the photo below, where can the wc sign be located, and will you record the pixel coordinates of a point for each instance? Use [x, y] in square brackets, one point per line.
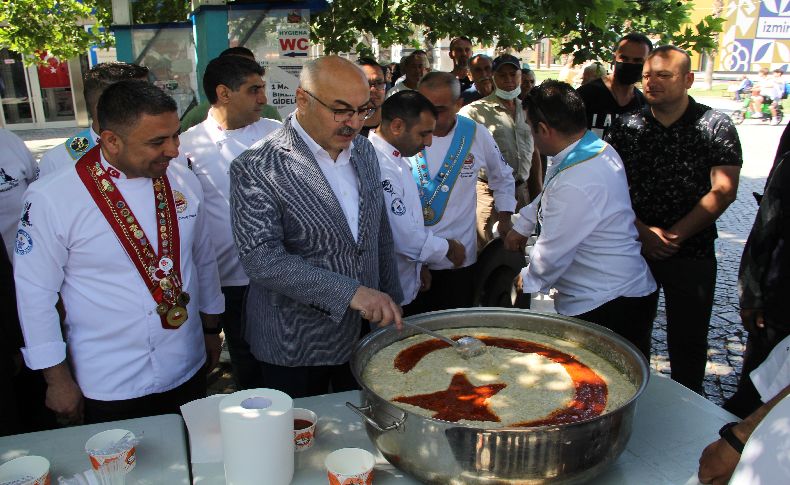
[294, 41]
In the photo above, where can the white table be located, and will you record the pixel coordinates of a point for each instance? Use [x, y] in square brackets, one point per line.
[161, 455]
[671, 427]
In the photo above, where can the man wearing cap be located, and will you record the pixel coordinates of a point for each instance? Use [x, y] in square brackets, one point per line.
[133, 262]
[96, 80]
[446, 175]
[502, 114]
[481, 69]
[235, 88]
[608, 97]
[407, 128]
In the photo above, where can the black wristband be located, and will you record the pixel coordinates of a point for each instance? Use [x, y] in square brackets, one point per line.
[727, 435]
[212, 331]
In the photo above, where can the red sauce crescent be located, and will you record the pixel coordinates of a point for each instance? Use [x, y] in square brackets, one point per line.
[462, 400]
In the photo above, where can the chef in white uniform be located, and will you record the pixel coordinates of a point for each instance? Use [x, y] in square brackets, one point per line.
[446, 176]
[123, 239]
[17, 171]
[408, 121]
[237, 92]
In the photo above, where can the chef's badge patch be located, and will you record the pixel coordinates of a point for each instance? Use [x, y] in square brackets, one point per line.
[24, 243]
[7, 182]
[398, 207]
[468, 168]
[180, 200]
[79, 144]
[387, 186]
[25, 219]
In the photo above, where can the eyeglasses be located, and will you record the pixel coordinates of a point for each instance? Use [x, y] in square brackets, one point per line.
[378, 84]
[342, 115]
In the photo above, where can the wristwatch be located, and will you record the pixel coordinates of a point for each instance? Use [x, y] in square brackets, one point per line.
[728, 435]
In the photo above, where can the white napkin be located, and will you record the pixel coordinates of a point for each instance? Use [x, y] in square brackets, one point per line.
[202, 420]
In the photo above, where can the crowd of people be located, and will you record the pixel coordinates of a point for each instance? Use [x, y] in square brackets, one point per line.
[138, 245]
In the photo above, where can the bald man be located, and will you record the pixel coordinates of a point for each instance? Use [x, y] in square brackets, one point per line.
[313, 236]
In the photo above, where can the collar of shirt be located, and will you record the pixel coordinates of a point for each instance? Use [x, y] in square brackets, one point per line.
[559, 157]
[318, 152]
[686, 118]
[94, 135]
[117, 175]
[382, 145]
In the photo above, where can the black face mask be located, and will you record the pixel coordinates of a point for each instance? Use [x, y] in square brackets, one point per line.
[627, 73]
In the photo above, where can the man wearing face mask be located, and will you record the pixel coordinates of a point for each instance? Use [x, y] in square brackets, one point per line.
[614, 94]
[501, 113]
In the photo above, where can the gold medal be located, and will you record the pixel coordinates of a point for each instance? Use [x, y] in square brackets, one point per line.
[162, 308]
[177, 316]
[427, 213]
[183, 298]
[165, 284]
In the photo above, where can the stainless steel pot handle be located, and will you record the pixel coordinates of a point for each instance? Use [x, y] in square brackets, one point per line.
[363, 410]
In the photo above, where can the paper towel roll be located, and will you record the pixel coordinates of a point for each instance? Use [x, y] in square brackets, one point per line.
[257, 437]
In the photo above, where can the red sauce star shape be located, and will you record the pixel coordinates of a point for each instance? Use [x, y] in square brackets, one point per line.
[461, 400]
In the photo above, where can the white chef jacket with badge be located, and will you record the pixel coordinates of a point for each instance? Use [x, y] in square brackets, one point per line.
[458, 220]
[415, 244]
[58, 157]
[114, 338]
[211, 150]
[588, 248]
[17, 171]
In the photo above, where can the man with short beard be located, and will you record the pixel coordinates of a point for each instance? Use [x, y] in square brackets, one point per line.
[481, 68]
[378, 86]
[308, 219]
[502, 114]
[460, 53]
[612, 95]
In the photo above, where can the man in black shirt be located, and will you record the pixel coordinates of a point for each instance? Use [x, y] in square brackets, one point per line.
[682, 160]
[460, 53]
[612, 95]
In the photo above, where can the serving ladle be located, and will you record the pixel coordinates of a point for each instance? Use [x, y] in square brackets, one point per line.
[466, 346]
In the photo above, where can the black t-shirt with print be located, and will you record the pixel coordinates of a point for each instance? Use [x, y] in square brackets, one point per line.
[668, 168]
[602, 108]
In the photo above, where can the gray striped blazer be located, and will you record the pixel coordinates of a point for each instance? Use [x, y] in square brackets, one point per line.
[298, 251]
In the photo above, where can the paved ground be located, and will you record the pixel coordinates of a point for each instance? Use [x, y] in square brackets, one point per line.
[727, 337]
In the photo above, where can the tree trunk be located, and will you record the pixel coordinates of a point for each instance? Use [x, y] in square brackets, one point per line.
[718, 6]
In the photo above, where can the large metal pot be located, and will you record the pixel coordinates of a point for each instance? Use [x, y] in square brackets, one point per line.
[441, 452]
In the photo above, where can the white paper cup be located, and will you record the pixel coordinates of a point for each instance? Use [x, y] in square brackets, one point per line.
[26, 470]
[350, 466]
[107, 439]
[304, 436]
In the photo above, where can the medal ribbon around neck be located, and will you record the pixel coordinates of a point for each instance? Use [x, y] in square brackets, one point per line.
[161, 274]
[438, 189]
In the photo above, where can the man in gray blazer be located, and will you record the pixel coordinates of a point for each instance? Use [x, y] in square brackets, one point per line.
[309, 222]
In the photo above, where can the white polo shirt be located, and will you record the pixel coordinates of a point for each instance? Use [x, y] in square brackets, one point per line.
[114, 338]
[59, 156]
[588, 248]
[458, 221]
[17, 171]
[211, 150]
[415, 244]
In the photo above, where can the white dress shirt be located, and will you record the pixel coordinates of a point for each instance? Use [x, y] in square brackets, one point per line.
[458, 221]
[112, 334]
[58, 157]
[415, 244]
[211, 150]
[17, 171]
[588, 248]
[340, 174]
[773, 375]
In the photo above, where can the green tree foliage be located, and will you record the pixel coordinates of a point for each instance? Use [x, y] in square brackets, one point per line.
[588, 28]
[32, 27]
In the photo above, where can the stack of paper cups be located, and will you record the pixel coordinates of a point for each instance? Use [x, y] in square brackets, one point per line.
[257, 437]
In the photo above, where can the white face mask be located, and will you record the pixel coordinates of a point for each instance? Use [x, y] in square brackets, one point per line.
[508, 95]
